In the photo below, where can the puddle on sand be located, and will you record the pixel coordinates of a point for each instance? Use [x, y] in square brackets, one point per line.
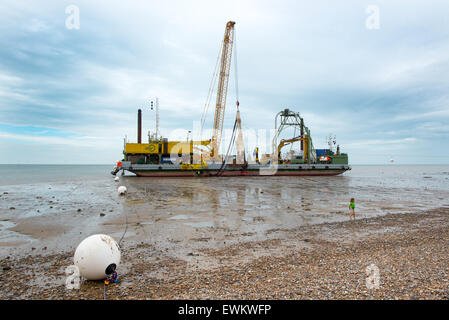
[9, 237]
[203, 224]
[181, 217]
[6, 225]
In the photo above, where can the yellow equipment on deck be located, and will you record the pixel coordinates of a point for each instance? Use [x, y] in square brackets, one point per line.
[189, 166]
[161, 147]
[288, 141]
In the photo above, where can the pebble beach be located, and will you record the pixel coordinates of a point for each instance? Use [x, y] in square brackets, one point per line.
[326, 261]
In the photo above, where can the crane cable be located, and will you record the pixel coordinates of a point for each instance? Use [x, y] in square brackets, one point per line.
[211, 90]
[294, 134]
[120, 241]
[237, 87]
[236, 71]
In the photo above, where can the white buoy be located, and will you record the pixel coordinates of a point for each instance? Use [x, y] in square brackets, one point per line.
[97, 255]
[116, 179]
[121, 190]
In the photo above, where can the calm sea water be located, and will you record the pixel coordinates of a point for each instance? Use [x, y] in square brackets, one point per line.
[435, 177]
[32, 174]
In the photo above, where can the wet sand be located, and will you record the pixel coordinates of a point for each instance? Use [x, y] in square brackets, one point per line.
[321, 261]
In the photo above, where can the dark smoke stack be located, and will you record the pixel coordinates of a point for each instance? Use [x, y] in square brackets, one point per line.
[139, 126]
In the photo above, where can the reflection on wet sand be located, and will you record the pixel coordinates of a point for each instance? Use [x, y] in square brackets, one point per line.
[224, 210]
[191, 207]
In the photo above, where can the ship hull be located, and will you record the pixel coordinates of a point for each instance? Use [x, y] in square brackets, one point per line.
[235, 174]
[252, 170]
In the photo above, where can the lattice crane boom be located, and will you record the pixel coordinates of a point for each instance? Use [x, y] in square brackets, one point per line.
[222, 90]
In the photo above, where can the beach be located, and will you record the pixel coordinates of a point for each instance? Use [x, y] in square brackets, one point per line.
[236, 238]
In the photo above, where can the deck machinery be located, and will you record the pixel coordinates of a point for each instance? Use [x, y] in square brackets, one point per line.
[163, 158]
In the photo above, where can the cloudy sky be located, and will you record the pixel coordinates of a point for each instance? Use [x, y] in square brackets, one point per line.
[70, 95]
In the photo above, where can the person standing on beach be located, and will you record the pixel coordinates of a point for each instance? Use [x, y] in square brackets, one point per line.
[351, 209]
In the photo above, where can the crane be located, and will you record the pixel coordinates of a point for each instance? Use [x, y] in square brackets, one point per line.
[289, 118]
[222, 90]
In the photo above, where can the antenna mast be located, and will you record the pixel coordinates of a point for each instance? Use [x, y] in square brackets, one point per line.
[157, 118]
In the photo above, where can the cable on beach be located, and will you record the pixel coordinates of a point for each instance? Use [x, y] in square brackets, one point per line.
[126, 229]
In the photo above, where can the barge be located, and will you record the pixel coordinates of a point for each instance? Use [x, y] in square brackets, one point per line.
[164, 158]
[160, 157]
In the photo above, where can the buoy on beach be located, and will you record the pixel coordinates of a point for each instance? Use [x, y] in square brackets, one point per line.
[97, 257]
[116, 179]
[121, 190]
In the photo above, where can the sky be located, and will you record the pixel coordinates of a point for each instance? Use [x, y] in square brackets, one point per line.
[373, 73]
